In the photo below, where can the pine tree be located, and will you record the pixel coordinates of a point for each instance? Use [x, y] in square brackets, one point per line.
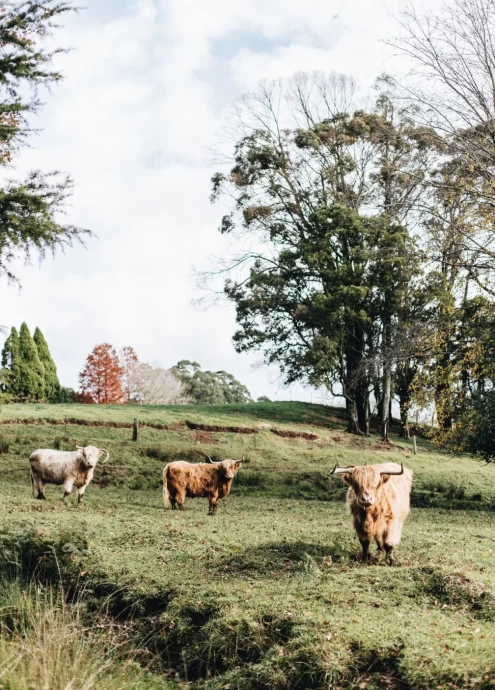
[101, 378]
[32, 375]
[11, 364]
[52, 384]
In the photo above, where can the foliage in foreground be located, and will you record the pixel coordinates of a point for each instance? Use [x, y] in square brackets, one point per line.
[28, 209]
[50, 644]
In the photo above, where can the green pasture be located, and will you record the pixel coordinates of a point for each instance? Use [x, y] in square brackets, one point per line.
[269, 593]
[303, 414]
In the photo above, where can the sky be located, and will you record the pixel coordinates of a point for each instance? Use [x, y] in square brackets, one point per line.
[147, 89]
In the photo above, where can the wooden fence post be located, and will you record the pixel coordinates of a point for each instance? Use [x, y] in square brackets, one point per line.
[414, 444]
[135, 430]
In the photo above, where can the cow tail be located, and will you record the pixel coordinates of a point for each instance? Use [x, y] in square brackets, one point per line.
[166, 497]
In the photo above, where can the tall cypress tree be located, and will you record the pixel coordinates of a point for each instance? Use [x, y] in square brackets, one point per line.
[32, 375]
[52, 384]
[11, 374]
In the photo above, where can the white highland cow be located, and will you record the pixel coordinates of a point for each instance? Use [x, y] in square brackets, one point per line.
[64, 468]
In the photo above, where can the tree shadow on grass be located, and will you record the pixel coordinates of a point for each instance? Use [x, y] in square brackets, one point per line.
[282, 559]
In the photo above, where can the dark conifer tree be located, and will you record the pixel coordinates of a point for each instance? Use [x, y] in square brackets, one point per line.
[11, 364]
[52, 384]
[32, 375]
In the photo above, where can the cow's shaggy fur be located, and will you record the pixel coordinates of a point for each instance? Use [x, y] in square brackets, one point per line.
[379, 504]
[63, 468]
[197, 480]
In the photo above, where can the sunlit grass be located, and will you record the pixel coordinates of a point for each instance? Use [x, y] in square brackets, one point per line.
[269, 593]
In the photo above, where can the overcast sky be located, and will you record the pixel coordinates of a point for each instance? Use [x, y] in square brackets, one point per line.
[148, 84]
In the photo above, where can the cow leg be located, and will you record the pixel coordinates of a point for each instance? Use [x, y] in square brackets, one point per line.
[391, 539]
[389, 553]
[80, 493]
[180, 498]
[213, 502]
[68, 488]
[39, 485]
[365, 544]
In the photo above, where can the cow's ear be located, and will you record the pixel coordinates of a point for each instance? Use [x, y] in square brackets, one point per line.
[100, 452]
[237, 464]
[385, 478]
[347, 477]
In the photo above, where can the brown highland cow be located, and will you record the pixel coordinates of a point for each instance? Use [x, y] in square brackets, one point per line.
[198, 480]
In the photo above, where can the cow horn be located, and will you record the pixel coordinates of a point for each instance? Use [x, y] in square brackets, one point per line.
[108, 455]
[213, 462]
[80, 447]
[401, 471]
[342, 470]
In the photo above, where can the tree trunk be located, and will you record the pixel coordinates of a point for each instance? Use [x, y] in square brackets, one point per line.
[443, 395]
[356, 385]
[404, 418]
[363, 407]
[377, 392]
[386, 383]
[352, 417]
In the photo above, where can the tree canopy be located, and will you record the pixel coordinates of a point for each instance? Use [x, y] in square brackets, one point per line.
[51, 382]
[325, 196]
[210, 387]
[29, 209]
[369, 235]
[28, 371]
[101, 376]
[31, 370]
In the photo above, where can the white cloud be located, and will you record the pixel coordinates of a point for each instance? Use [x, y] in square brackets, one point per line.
[144, 96]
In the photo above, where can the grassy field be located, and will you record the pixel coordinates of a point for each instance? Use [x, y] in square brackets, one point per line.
[269, 593]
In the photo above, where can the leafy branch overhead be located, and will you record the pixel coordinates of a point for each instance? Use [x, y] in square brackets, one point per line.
[29, 208]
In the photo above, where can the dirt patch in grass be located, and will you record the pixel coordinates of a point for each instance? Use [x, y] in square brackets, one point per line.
[205, 437]
[385, 445]
[223, 429]
[71, 421]
[294, 434]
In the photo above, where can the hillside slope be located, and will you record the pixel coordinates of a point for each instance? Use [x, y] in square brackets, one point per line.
[269, 593]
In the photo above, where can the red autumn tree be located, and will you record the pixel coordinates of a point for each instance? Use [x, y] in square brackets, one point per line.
[101, 378]
[128, 361]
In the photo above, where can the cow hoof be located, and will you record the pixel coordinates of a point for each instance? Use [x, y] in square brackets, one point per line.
[41, 497]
